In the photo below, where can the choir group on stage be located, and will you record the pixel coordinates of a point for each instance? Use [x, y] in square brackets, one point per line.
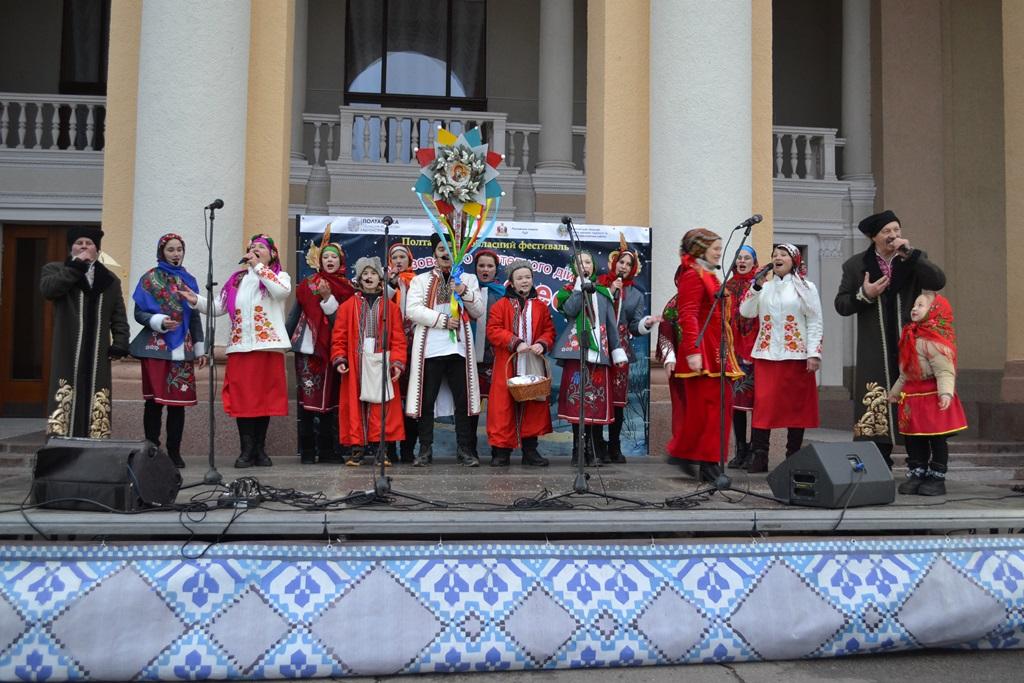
[393, 346]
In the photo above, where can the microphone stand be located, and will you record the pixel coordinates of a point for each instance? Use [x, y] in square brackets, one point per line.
[212, 475]
[382, 490]
[724, 481]
[581, 483]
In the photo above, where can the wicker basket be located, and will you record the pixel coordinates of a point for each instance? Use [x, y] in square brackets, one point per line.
[539, 389]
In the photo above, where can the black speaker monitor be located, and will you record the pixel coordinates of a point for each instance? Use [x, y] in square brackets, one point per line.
[834, 475]
[123, 475]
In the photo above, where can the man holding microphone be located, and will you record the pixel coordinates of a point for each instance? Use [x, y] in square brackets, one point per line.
[879, 286]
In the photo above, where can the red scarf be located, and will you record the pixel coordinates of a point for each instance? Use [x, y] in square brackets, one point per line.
[309, 299]
[937, 328]
[744, 329]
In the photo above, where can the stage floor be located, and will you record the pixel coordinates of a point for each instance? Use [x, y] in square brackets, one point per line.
[501, 503]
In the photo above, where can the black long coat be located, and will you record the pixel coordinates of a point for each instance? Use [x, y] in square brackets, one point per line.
[879, 325]
[89, 327]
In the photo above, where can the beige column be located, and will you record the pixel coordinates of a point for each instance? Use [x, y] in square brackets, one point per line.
[268, 123]
[618, 112]
[119, 149]
[1013, 118]
[762, 186]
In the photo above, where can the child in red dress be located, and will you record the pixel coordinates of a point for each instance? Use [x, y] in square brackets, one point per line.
[929, 410]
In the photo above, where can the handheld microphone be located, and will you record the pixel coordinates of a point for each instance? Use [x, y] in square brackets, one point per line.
[904, 250]
[215, 204]
[764, 271]
[243, 261]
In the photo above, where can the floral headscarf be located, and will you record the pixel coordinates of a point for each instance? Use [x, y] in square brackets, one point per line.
[937, 328]
[157, 292]
[231, 288]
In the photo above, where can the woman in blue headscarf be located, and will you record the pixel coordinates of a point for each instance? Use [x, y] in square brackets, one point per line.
[169, 344]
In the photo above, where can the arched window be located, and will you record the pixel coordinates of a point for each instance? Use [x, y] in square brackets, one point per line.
[416, 53]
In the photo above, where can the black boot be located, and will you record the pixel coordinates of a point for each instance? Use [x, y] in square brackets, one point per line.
[260, 441]
[613, 450]
[500, 457]
[794, 440]
[594, 451]
[327, 444]
[531, 456]
[307, 442]
[408, 448]
[151, 414]
[465, 456]
[601, 447]
[246, 457]
[426, 455]
[742, 457]
[390, 454]
[910, 485]
[710, 472]
[759, 462]
[355, 456]
[175, 428]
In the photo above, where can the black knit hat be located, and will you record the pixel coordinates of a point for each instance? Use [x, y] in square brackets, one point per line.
[93, 233]
[872, 225]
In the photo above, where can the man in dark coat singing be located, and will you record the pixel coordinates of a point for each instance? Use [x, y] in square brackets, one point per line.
[89, 329]
[879, 286]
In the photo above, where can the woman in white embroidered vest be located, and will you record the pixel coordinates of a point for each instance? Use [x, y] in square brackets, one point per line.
[254, 382]
[787, 353]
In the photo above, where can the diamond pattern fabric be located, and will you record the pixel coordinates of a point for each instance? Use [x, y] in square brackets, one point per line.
[262, 612]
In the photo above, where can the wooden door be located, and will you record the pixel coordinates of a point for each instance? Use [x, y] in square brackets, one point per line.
[26, 318]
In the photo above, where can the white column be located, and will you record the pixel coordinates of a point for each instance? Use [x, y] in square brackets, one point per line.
[555, 87]
[192, 101]
[299, 77]
[700, 130]
[856, 107]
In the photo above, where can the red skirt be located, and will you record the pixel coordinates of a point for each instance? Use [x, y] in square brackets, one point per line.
[597, 397]
[785, 395]
[318, 383]
[255, 385]
[698, 436]
[620, 385]
[919, 413]
[169, 382]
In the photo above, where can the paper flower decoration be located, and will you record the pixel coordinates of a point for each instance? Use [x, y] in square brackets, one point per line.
[458, 173]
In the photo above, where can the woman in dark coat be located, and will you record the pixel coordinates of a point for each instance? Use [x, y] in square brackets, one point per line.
[89, 329]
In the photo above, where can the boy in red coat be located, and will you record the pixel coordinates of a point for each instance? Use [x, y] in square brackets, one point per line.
[520, 330]
[359, 330]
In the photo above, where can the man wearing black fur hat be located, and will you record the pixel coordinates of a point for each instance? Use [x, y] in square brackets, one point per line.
[879, 286]
[89, 329]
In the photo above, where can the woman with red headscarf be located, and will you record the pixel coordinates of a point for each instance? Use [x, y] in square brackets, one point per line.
[696, 439]
[744, 332]
[628, 303]
[254, 382]
[787, 353]
[317, 299]
[929, 409]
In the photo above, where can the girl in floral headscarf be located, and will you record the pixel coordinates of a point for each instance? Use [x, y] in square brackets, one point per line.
[254, 382]
[787, 353]
[929, 409]
[170, 340]
[317, 299]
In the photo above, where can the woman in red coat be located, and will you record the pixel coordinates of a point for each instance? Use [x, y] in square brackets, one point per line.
[696, 440]
[519, 327]
[358, 330]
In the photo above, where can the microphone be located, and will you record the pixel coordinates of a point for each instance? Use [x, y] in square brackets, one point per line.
[904, 250]
[387, 220]
[753, 220]
[566, 220]
[243, 261]
[764, 271]
[215, 204]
